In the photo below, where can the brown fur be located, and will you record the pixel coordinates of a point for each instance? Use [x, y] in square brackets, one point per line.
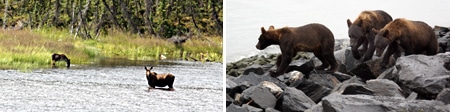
[60, 57]
[314, 38]
[159, 80]
[414, 37]
[360, 32]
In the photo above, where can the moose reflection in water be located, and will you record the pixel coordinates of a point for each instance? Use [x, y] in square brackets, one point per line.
[160, 80]
[60, 57]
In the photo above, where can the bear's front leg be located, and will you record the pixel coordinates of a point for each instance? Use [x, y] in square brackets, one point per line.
[285, 60]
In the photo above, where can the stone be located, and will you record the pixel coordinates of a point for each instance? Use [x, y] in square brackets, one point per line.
[252, 108]
[236, 108]
[253, 79]
[345, 60]
[366, 103]
[341, 76]
[444, 96]
[326, 80]
[295, 100]
[313, 90]
[315, 108]
[352, 86]
[262, 97]
[412, 96]
[229, 100]
[425, 75]
[232, 87]
[257, 69]
[384, 87]
[302, 65]
[271, 110]
[274, 89]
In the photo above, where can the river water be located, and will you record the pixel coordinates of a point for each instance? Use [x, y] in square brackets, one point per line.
[244, 18]
[198, 87]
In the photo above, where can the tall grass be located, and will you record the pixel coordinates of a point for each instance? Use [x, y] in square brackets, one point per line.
[26, 49]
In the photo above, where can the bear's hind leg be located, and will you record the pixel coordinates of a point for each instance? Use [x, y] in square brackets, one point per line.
[325, 62]
[333, 63]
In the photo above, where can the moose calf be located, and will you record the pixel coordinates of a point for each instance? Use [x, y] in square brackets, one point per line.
[160, 80]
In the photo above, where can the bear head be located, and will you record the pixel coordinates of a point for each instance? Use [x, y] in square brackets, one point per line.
[266, 38]
[355, 32]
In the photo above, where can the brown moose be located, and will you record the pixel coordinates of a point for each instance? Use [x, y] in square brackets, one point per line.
[159, 80]
[313, 37]
[60, 57]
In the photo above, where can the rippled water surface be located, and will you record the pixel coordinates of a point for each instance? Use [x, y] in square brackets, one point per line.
[198, 87]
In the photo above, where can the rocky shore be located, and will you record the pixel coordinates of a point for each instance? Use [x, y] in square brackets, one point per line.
[411, 83]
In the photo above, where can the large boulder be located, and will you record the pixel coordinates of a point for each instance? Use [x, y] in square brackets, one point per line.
[253, 79]
[444, 96]
[312, 89]
[260, 96]
[345, 60]
[352, 86]
[426, 75]
[385, 87]
[443, 35]
[366, 103]
[295, 100]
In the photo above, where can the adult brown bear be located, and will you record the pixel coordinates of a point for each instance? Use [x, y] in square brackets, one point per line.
[360, 32]
[314, 38]
[414, 37]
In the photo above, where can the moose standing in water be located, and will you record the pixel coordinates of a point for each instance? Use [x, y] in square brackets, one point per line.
[60, 57]
[160, 80]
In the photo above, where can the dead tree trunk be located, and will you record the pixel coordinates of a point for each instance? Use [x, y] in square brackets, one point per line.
[128, 17]
[57, 11]
[5, 14]
[148, 16]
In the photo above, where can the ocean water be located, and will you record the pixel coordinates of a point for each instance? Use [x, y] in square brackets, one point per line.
[244, 18]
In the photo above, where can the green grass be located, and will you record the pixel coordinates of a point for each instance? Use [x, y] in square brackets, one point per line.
[27, 49]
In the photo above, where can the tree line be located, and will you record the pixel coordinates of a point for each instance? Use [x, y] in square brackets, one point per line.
[90, 18]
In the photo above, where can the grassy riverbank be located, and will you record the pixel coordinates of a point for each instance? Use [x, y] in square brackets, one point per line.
[25, 49]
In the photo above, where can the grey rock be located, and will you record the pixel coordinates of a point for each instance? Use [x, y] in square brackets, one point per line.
[295, 100]
[341, 76]
[412, 96]
[345, 60]
[444, 96]
[262, 97]
[315, 91]
[273, 88]
[271, 110]
[316, 108]
[425, 75]
[229, 100]
[384, 87]
[253, 79]
[302, 65]
[352, 86]
[251, 108]
[236, 108]
[231, 87]
[326, 80]
[366, 103]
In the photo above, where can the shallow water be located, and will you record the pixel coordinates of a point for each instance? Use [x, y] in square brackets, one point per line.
[198, 87]
[244, 18]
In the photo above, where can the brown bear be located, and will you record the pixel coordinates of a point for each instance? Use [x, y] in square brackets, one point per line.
[313, 37]
[360, 32]
[413, 37]
[60, 57]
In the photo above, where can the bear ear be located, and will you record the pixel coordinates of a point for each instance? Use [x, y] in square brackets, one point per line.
[263, 30]
[375, 30]
[271, 27]
[386, 33]
[349, 23]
